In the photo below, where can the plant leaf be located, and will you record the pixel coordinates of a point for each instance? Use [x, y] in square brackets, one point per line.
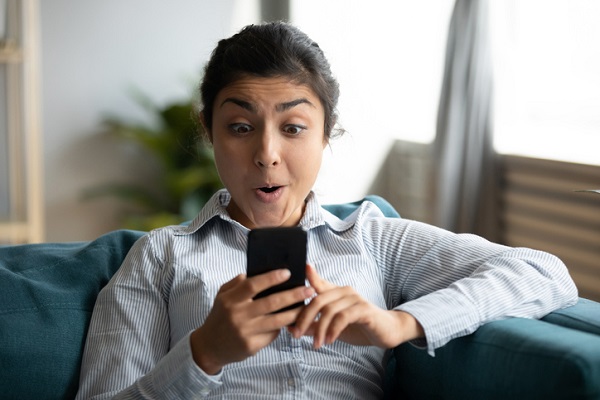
[188, 177]
[185, 181]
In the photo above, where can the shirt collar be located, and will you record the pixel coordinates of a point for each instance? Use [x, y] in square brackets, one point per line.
[314, 215]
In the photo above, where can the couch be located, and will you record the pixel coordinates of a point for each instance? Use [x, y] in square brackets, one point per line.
[47, 293]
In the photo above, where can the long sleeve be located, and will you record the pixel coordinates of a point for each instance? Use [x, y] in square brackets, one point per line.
[130, 329]
[454, 283]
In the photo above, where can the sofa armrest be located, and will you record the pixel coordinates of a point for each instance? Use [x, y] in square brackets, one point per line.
[583, 316]
[508, 359]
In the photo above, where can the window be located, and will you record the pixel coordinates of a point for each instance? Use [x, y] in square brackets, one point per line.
[388, 57]
[547, 84]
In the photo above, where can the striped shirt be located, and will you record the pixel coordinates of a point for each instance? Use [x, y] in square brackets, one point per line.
[138, 341]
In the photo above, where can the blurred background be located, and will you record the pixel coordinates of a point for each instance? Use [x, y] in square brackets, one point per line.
[477, 116]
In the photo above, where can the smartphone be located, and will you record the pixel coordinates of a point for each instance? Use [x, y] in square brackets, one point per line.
[275, 248]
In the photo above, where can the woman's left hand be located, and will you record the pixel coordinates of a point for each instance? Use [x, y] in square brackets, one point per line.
[343, 314]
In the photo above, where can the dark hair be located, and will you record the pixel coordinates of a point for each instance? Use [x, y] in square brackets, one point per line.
[274, 49]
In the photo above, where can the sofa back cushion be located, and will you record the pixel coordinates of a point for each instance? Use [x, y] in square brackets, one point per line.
[47, 293]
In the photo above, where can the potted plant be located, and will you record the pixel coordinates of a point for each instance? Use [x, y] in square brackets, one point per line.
[188, 177]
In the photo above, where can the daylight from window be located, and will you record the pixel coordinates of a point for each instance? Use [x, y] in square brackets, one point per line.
[547, 79]
[389, 58]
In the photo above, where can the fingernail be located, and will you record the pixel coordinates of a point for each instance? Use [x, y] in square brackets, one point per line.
[285, 274]
[309, 292]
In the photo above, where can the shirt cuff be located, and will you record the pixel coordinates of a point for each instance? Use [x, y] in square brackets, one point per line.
[180, 377]
[443, 316]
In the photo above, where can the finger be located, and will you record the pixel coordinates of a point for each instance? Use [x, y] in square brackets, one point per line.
[265, 329]
[256, 284]
[278, 301]
[310, 331]
[232, 283]
[343, 320]
[335, 317]
[276, 321]
[326, 293]
[317, 305]
[315, 280]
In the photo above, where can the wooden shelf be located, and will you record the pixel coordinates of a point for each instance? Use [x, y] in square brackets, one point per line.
[10, 54]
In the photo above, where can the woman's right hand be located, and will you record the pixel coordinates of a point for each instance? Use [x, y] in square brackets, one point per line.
[238, 326]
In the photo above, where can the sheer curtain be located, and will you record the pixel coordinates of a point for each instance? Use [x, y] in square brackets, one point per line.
[464, 160]
[274, 10]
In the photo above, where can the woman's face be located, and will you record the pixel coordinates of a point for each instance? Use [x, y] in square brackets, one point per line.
[268, 138]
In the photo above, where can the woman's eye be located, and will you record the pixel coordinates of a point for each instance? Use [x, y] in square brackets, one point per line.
[240, 128]
[293, 129]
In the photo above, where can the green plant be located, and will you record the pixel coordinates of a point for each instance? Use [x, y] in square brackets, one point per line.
[188, 177]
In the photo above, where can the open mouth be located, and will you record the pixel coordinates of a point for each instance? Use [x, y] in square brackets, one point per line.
[269, 189]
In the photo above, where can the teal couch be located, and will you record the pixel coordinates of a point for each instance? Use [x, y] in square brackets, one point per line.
[47, 293]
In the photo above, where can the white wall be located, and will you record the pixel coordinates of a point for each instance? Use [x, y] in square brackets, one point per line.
[93, 54]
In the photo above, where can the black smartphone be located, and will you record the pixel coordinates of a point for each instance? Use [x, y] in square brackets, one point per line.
[275, 248]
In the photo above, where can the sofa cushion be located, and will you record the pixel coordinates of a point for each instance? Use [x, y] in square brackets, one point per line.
[583, 316]
[47, 293]
[509, 359]
[344, 210]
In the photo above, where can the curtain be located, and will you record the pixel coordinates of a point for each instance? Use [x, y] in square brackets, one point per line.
[274, 10]
[464, 160]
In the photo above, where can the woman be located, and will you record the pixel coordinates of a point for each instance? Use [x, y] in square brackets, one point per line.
[178, 320]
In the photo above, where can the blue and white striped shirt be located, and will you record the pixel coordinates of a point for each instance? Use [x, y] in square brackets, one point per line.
[138, 341]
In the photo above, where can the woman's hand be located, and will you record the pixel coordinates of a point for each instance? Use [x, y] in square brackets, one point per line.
[344, 314]
[238, 326]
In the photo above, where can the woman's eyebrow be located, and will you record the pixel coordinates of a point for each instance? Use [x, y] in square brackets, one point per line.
[242, 103]
[280, 107]
[290, 104]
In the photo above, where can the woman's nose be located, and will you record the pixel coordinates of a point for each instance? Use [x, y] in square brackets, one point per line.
[268, 152]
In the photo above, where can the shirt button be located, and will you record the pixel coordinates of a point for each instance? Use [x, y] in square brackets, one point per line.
[291, 382]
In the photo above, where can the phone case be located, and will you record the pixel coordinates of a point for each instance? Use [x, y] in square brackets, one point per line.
[275, 248]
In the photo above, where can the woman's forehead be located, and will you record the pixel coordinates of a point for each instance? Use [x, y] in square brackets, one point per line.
[278, 83]
[267, 90]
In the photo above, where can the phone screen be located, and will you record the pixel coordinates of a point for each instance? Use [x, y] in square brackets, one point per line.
[275, 248]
